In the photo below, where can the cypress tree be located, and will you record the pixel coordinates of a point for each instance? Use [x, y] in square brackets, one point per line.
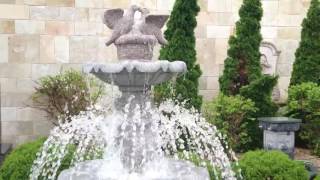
[306, 67]
[181, 46]
[242, 65]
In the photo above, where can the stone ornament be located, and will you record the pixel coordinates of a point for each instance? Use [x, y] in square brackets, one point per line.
[135, 38]
[269, 57]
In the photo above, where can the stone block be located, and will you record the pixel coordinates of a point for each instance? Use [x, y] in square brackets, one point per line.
[29, 27]
[203, 83]
[166, 5]
[90, 4]
[218, 31]
[8, 114]
[35, 2]
[221, 47]
[290, 20]
[220, 6]
[269, 32]
[59, 28]
[15, 70]
[7, 27]
[212, 83]
[16, 99]
[4, 49]
[203, 4]
[88, 45]
[8, 85]
[283, 83]
[42, 128]
[205, 18]
[119, 3]
[18, 140]
[88, 28]
[47, 49]
[209, 95]
[200, 32]
[40, 70]
[60, 3]
[270, 7]
[96, 15]
[223, 19]
[44, 13]
[284, 70]
[236, 4]
[24, 48]
[10, 11]
[289, 33]
[82, 14]
[26, 85]
[17, 128]
[67, 13]
[7, 1]
[269, 19]
[30, 114]
[205, 54]
[109, 54]
[288, 49]
[290, 6]
[150, 4]
[66, 67]
[61, 49]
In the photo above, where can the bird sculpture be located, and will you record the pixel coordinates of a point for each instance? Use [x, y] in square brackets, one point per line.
[119, 22]
[152, 24]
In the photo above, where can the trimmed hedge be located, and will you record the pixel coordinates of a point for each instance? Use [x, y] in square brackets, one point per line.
[267, 165]
[18, 163]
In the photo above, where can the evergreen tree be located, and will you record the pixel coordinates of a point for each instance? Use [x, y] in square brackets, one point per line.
[242, 65]
[306, 67]
[181, 46]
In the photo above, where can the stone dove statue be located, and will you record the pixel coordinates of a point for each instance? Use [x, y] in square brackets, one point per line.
[120, 23]
[152, 24]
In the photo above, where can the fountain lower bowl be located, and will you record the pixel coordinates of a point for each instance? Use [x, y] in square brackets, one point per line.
[164, 169]
[136, 73]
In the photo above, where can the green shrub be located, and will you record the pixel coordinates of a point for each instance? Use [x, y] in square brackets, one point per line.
[181, 46]
[66, 94]
[304, 103]
[18, 163]
[260, 91]
[267, 165]
[232, 116]
[242, 66]
[317, 177]
[306, 67]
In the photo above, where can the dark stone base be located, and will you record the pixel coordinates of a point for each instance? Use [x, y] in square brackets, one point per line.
[4, 150]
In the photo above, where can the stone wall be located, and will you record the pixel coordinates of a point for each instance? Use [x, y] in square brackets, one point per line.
[41, 37]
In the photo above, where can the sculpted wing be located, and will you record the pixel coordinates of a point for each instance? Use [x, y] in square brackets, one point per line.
[157, 20]
[112, 16]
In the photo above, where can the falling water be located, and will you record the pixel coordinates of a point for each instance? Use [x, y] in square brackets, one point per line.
[154, 133]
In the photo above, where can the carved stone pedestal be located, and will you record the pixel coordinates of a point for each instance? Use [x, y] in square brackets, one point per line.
[279, 133]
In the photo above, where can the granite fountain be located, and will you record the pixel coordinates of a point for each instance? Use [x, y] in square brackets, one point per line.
[137, 140]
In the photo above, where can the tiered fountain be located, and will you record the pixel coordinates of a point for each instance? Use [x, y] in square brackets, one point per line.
[139, 140]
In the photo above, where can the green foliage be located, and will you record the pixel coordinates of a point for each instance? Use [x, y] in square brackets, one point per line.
[260, 91]
[18, 163]
[181, 46]
[66, 94]
[266, 165]
[304, 103]
[317, 177]
[306, 67]
[242, 65]
[232, 116]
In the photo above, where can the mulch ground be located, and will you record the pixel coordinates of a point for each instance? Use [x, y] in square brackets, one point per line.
[305, 154]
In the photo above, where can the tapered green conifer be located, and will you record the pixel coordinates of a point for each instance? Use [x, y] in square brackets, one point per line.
[306, 67]
[181, 46]
[242, 65]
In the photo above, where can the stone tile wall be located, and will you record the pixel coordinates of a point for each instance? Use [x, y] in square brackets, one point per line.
[41, 37]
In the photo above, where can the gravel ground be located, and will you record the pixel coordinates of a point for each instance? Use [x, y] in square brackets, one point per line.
[305, 154]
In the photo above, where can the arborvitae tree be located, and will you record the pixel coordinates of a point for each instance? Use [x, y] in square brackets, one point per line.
[242, 65]
[181, 46]
[306, 67]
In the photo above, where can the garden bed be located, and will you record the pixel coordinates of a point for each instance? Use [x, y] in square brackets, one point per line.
[306, 155]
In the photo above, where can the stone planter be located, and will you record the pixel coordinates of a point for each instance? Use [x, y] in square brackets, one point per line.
[279, 133]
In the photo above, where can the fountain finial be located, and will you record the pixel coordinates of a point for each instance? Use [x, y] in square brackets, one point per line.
[135, 38]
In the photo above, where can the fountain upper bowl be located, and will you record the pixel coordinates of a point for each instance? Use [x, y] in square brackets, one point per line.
[136, 73]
